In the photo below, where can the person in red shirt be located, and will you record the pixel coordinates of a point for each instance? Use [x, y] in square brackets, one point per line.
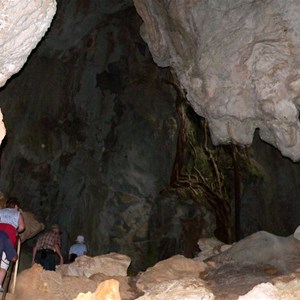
[12, 223]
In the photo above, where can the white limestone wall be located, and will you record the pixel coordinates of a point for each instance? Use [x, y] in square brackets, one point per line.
[22, 25]
[237, 60]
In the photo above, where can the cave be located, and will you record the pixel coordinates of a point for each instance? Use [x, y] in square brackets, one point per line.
[147, 125]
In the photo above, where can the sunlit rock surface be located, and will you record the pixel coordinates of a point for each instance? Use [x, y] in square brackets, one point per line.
[22, 25]
[238, 62]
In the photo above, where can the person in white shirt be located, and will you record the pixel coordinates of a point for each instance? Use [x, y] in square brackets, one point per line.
[77, 249]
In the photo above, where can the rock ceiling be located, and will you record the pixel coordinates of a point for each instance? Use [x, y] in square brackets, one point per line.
[238, 62]
[22, 25]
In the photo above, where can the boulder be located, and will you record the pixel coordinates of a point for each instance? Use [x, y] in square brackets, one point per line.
[173, 268]
[32, 226]
[107, 290]
[187, 289]
[111, 264]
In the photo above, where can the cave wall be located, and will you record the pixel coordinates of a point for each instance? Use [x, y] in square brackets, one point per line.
[270, 201]
[92, 128]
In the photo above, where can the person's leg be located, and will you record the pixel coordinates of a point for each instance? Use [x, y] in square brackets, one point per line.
[40, 258]
[2, 276]
[9, 249]
[3, 269]
[50, 264]
[72, 257]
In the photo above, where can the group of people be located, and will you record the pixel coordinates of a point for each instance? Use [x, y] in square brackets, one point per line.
[47, 248]
[49, 245]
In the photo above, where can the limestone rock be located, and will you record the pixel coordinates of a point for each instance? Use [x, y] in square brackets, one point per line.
[173, 268]
[127, 287]
[187, 289]
[22, 25]
[263, 249]
[267, 291]
[210, 247]
[36, 283]
[244, 271]
[33, 226]
[237, 60]
[2, 128]
[112, 264]
[107, 290]
[297, 233]
[263, 291]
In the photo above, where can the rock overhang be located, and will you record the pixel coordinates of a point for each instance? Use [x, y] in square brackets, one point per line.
[237, 61]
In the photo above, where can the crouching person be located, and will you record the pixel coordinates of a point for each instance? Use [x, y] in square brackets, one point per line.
[46, 249]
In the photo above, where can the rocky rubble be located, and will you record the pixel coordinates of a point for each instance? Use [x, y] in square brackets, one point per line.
[261, 266]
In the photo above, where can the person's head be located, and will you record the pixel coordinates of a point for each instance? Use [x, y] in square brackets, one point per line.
[80, 239]
[55, 229]
[12, 202]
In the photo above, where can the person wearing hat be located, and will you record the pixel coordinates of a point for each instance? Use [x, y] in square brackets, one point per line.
[77, 249]
[46, 249]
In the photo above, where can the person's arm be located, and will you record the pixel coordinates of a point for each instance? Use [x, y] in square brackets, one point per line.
[57, 250]
[33, 254]
[21, 224]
